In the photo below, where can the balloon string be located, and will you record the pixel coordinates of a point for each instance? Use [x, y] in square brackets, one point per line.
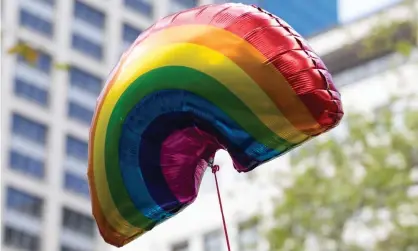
[215, 168]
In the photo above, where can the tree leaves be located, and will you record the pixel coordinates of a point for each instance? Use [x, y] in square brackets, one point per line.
[26, 51]
[366, 169]
[404, 47]
[31, 55]
[62, 66]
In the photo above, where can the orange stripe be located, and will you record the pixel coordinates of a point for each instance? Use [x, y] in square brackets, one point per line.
[270, 80]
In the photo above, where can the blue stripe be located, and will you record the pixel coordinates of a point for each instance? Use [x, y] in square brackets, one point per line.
[151, 121]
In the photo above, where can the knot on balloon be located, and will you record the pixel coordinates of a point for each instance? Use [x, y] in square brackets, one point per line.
[215, 168]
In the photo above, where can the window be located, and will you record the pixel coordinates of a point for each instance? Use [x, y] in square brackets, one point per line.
[142, 6]
[29, 129]
[31, 92]
[186, 3]
[213, 241]
[248, 236]
[32, 84]
[85, 81]
[77, 148]
[20, 240]
[130, 33]
[183, 246]
[89, 14]
[67, 248]
[87, 47]
[80, 113]
[43, 61]
[95, 21]
[35, 23]
[27, 165]
[49, 2]
[24, 202]
[78, 222]
[76, 184]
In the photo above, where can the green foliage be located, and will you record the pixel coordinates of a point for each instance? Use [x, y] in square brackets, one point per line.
[354, 178]
[381, 36]
[250, 222]
[358, 180]
[31, 55]
[404, 47]
[26, 51]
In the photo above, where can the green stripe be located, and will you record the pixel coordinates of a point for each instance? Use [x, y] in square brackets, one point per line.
[183, 78]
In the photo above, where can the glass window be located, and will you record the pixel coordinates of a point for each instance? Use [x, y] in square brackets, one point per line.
[43, 61]
[186, 3]
[20, 240]
[213, 241]
[35, 23]
[67, 248]
[28, 91]
[87, 47]
[75, 183]
[89, 14]
[24, 202]
[77, 148]
[182, 246]
[130, 33]
[80, 113]
[29, 129]
[85, 81]
[142, 6]
[248, 236]
[78, 222]
[49, 2]
[27, 165]
[96, 19]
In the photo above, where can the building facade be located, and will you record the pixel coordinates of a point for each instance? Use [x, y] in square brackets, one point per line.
[365, 80]
[46, 108]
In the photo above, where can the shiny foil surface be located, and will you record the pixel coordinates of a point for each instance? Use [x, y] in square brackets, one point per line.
[226, 76]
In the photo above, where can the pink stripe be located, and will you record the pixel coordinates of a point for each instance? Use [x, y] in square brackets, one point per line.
[184, 156]
[183, 161]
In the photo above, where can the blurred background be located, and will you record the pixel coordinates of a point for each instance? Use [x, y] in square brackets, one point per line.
[353, 189]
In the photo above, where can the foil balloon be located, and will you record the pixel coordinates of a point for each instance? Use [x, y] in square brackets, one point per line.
[223, 76]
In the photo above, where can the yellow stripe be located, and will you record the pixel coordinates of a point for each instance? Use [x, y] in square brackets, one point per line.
[221, 68]
[252, 61]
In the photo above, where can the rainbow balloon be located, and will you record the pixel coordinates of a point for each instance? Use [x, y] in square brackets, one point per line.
[227, 76]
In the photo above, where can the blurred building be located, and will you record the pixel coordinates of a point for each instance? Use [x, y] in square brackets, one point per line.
[367, 73]
[47, 109]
